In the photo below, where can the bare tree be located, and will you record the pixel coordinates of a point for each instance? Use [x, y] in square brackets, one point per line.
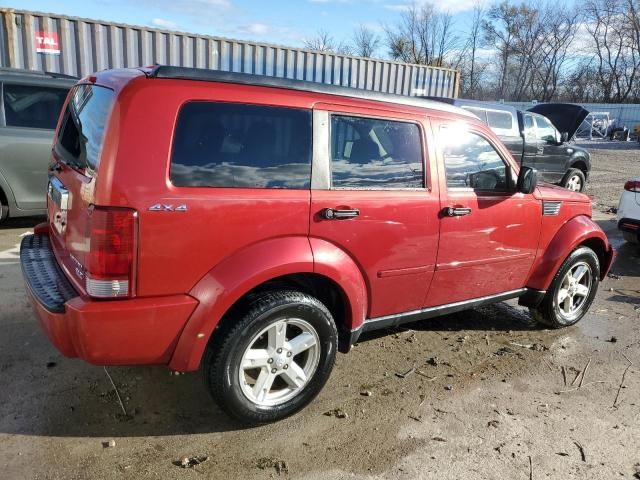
[614, 28]
[365, 42]
[324, 42]
[500, 30]
[424, 36]
[532, 44]
[560, 29]
[468, 62]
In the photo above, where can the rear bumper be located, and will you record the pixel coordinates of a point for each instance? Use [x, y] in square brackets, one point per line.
[112, 332]
[629, 225]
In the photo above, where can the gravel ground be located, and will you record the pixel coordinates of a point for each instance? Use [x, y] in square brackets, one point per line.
[491, 397]
[613, 163]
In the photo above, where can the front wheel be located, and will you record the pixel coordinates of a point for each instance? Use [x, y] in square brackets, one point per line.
[571, 292]
[274, 360]
[574, 180]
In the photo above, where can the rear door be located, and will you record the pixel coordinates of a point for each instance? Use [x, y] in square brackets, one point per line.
[30, 116]
[488, 234]
[378, 202]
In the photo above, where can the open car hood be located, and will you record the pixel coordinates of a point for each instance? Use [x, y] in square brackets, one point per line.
[566, 117]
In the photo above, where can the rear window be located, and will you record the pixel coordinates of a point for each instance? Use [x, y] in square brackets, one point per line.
[32, 106]
[241, 146]
[501, 120]
[373, 153]
[83, 126]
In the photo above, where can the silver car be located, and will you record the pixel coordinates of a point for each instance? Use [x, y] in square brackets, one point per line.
[29, 109]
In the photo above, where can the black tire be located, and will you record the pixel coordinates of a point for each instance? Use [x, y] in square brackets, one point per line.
[574, 175]
[549, 313]
[4, 210]
[631, 237]
[221, 364]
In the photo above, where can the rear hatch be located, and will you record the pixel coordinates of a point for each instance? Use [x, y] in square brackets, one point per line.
[92, 243]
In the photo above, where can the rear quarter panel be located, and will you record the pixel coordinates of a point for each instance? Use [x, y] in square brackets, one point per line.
[177, 249]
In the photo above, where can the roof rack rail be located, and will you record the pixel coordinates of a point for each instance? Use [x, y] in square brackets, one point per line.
[40, 73]
[188, 73]
[62, 75]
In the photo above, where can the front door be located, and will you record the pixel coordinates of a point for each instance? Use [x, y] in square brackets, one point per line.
[376, 202]
[530, 147]
[552, 155]
[488, 234]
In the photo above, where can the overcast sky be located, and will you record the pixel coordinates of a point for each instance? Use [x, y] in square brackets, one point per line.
[286, 22]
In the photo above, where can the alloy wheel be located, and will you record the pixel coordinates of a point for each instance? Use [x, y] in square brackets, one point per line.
[279, 362]
[574, 183]
[574, 289]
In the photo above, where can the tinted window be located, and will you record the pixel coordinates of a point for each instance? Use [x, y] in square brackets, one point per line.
[478, 112]
[374, 153]
[502, 120]
[32, 106]
[238, 145]
[83, 126]
[546, 131]
[471, 161]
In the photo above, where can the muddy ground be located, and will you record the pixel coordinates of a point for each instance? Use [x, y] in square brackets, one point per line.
[491, 397]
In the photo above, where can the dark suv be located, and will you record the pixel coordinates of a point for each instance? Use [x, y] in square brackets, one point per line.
[250, 227]
[538, 138]
[30, 103]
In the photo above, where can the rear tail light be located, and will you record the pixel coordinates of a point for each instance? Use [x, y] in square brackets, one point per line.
[110, 262]
[632, 186]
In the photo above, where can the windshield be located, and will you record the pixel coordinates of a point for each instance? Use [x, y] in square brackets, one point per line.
[82, 130]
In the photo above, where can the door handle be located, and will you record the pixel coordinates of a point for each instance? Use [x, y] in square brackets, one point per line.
[339, 214]
[456, 211]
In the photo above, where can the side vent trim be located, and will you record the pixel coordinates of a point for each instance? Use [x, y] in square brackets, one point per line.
[551, 208]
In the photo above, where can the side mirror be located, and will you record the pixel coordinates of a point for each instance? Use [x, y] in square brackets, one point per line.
[564, 137]
[527, 180]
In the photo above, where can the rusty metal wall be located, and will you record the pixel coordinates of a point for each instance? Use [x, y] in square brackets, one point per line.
[87, 46]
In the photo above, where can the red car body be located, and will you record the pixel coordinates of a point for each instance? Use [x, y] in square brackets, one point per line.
[400, 259]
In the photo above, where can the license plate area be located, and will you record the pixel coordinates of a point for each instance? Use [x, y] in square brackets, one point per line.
[58, 204]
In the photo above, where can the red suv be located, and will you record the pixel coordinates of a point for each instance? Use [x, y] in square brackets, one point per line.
[251, 227]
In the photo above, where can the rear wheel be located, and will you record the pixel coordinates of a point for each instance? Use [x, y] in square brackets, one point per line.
[631, 237]
[574, 180]
[571, 292]
[274, 360]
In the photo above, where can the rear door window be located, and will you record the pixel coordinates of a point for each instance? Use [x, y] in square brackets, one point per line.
[241, 146]
[373, 153]
[31, 106]
[499, 120]
[478, 112]
[83, 126]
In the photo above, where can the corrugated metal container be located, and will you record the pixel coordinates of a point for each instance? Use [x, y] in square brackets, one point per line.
[79, 46]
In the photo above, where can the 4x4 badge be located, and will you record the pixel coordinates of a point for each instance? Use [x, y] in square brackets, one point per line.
[161, 207]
